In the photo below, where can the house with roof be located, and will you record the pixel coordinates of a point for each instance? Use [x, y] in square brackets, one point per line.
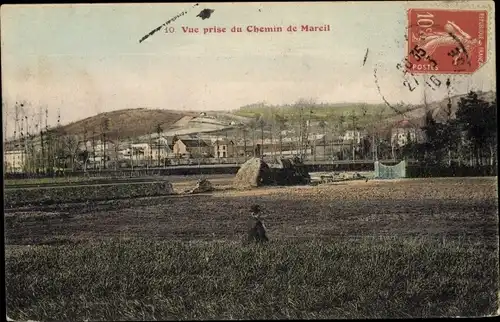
[353, 136]
[14, 160]
[187, 147]
[404, 131]
[224, 148]
[160, 148]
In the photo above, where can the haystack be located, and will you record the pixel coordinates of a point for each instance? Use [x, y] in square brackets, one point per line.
[291, 172]
[253, 173]
[202, 185]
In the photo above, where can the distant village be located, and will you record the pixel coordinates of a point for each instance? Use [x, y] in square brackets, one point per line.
[220, 147]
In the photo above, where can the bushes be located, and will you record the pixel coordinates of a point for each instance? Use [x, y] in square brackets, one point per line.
[423, 171]
[82, 193]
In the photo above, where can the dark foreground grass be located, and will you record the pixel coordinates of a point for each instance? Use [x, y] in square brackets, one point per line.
[143, 280]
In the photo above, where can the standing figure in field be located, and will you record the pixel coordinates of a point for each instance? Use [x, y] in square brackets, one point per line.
[258, 232]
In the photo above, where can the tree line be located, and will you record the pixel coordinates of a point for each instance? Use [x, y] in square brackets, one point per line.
[469, 138]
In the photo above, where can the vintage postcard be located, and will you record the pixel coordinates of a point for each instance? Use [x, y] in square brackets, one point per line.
[297, 160]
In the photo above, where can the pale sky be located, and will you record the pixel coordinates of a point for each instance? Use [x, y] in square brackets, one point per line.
[87, 59]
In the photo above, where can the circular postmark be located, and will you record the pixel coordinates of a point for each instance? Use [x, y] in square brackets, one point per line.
[419, 79]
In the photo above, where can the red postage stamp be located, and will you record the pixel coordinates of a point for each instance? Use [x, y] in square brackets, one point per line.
[446, 41]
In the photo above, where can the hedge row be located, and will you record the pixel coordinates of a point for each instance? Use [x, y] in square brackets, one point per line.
[53, 195]
[423, 171]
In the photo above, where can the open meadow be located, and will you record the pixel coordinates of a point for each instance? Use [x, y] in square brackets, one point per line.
[375, 249]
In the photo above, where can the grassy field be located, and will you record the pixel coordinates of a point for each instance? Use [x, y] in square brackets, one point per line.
[407, 248]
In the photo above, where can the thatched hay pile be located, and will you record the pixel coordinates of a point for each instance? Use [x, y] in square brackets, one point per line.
[291, 171]
[202, 185]
[256, 172]
[253, 173]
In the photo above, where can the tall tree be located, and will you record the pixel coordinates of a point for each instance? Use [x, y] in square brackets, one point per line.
[72, 148]
[85, 147]
[341, 121]
[332, 121]
[492, 129]
[105, 125]
[354, 118]
[253, 128]
[281, 122]
[159, 131]
[261, 124]
[244, 130]
[471, 119]
[150, 150]
[322, 125]
[308, 132]
[363, 120]
[380, 115]
[93, 148]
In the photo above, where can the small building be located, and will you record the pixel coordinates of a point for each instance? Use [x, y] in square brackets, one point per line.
[403, 131]
[160, 149]
[353, 136]
[191, 148]
[140, 151]
[14, 160]
[224, 148]
[98, 147]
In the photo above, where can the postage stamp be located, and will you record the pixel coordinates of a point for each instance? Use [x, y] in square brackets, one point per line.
[447, 41]
[237, 161]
